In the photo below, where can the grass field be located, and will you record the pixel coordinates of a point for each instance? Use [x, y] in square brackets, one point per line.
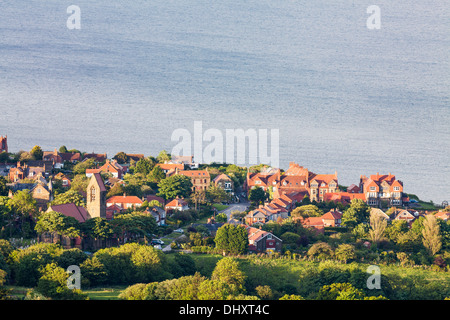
[110, 293]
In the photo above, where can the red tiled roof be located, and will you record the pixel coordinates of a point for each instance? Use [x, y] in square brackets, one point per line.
[124, 199]
[177, 203]
[72, 210]
[332, 215]
[194, 173]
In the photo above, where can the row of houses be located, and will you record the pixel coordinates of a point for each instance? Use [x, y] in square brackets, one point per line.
[375, 190]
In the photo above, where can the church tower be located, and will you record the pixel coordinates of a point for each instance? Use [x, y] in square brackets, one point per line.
[3, 144]
[96, 197]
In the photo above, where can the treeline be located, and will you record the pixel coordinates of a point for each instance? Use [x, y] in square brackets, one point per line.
[43, 267]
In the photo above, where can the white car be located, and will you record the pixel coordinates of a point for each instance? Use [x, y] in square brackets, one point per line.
[179, 230]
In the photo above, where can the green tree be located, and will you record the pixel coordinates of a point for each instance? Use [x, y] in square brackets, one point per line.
[198, 197]
[345, 252]
[70, 196]
[357, 213]
[227, 271]
[306, 211]
[93, 272]
[62, 149]
[163, 156]
[340, 291]
[377, 228]
[431, 235]
[37, 153]
[144, 166]
[80, 167]
[257, 195]
[25, 206]
[149, 263]
[97, 228]
[156, 175]
[3, 188]
[56, 223]
[53, 284]
[79, 183]
[213, 290]
[232, 239]
[175, 186]
[320, 250]
[216, 194]
[121, 157]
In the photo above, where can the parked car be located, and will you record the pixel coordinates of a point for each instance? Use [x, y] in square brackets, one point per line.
[179, 230]
[157, 241]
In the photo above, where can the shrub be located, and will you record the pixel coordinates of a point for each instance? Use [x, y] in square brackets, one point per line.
[320, 250]
[53, 284]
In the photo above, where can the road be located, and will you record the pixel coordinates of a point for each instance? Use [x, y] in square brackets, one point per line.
[241, 206]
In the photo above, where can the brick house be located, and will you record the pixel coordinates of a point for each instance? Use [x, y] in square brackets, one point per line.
[176, 204]
[125, 202]
[111, 167]
[225, 182]
[200, 179]
[296, 179]
[332, 218]
[382, 188]
[262, 241]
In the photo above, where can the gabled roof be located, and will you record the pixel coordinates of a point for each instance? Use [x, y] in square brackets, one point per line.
[195, 173]
[124, 199]
[313, 222]
[177, 203]
[377, 211]
[170, 166]
[332, 215]
[256, 234]
[444, 215]
[71, 210]
[99, 180]
[220, 177]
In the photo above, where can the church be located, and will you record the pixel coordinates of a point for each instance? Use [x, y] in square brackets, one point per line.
[95, 207]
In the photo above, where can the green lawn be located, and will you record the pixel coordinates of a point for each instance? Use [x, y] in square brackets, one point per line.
[110, 293]
[220, 207]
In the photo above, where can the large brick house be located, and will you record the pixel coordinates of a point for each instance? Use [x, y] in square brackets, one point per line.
[382, 188]
[200, 179]
[296, 179]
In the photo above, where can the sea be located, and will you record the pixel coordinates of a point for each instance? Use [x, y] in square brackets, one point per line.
[345, 97]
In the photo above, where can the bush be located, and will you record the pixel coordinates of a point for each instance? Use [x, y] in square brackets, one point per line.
[27, 262]
[53, 284]
[320, 250]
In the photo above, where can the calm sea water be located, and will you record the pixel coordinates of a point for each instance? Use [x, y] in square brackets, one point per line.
[345, 98]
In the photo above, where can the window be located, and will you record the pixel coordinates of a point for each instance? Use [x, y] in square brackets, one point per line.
[396, 188]
[92, 194]
[373, 188]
